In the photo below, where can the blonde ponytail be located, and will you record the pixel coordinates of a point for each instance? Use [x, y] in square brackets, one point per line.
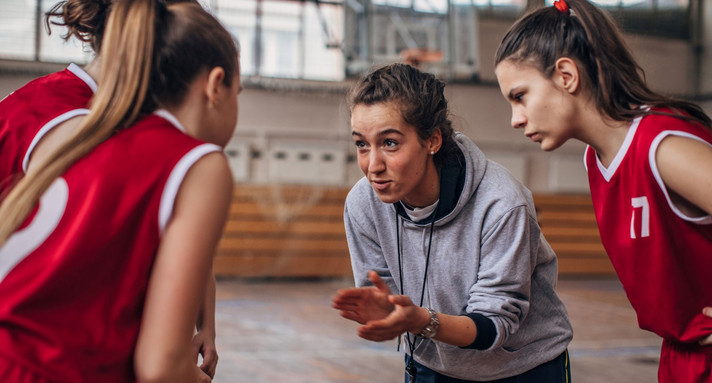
[127, 58]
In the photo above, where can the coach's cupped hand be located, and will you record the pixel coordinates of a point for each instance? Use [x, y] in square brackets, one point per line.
[383, 315]
[364, 304]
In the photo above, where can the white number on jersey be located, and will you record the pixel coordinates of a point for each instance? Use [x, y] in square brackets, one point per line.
[25, 241]
[640, 204]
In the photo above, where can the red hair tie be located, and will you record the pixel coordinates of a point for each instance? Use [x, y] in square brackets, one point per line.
[561, 6]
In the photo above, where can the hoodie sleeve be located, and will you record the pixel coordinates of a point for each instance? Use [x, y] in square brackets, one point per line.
[508, 257]
[366, 253]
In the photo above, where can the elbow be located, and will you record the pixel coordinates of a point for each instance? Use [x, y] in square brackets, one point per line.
[165, 369]
[148, 374]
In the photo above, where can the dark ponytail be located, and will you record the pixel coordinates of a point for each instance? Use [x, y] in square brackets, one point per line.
[84, 19]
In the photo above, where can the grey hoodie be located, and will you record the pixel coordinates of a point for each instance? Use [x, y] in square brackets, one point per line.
[488, 257]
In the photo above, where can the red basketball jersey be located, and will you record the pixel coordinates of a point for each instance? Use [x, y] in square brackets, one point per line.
[38, 107]
[73, 279]
[663, 257]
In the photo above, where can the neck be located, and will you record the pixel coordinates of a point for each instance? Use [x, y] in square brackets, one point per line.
[428, 191]
[191, 112]
[93, 69]
[608, 140]
[602, 133]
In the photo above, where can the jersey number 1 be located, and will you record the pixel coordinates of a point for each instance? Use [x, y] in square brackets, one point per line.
[640, 204]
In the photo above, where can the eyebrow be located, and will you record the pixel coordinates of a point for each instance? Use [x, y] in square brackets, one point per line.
[381, 133]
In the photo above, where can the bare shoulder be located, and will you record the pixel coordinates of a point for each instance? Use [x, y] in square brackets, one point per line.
[685, 166]
[209, 179]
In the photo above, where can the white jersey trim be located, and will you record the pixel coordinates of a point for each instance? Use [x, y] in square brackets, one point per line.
[45, 129]
[702, 220]
[608, 173]
[170, 191]
[83, 75]
[171, 118]
[175, 179]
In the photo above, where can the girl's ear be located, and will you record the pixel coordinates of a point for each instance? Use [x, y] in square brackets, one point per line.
[435, 141]
[566, 74]
[214, 86]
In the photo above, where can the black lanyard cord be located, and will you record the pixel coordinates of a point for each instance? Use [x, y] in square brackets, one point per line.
[410, 368]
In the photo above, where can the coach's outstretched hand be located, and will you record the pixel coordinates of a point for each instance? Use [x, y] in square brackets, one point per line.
[383, 315]
[364, 304]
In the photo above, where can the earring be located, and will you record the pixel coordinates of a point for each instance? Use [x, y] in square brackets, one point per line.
[432, 153]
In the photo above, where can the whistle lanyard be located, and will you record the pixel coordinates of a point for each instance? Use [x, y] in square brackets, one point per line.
[410, 369]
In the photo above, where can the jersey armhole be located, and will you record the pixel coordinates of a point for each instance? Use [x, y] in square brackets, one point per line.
[175, 179]
[702, 220]
[45, 129]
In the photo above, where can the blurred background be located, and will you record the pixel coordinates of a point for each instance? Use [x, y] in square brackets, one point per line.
[292, 153]
[293, 159]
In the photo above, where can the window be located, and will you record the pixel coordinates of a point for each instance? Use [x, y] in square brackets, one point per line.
[286, 39]
[23, 35]
[289, 39]
[326, 39]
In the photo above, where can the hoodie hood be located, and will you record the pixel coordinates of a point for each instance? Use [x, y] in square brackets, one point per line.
[457, 185]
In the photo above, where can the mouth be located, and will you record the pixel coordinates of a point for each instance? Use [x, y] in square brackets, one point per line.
[380, 184]
[533, 136]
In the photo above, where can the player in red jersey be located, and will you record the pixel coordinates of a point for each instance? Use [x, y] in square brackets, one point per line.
[31, 112]
[103, 280]
[567, 74]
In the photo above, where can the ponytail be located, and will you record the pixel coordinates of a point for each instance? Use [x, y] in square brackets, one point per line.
[129, 40]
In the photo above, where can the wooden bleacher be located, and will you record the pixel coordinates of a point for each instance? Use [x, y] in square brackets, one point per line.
[284, 231]
[569, 225]
[298, 231]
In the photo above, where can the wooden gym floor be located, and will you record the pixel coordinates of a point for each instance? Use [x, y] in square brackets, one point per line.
[286, 331]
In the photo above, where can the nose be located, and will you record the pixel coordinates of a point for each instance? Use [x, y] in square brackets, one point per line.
[375, 162]
[518, 119]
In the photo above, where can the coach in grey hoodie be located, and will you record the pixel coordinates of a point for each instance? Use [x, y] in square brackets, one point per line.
[487, 261]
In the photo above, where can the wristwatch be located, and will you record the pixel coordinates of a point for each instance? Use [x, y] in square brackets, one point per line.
[430, 329]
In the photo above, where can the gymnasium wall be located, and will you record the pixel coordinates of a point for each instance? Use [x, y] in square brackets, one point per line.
[281, 128]
[302, 135]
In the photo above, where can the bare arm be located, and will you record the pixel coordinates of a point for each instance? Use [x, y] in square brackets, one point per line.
[178, 281]
[685, 166]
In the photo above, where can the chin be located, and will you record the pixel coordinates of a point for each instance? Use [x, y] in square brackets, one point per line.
[549, 146]
[387, 197]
